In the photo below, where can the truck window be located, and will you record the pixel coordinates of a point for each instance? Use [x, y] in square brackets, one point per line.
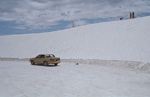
[42, 56]
[47, 56]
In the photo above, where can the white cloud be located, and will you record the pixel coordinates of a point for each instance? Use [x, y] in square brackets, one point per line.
[41, 14]
[80, 22]
[19, 27]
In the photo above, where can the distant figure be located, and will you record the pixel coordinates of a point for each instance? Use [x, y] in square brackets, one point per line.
[133, 14]
[72, 24]
[121, 18]
[130, 15]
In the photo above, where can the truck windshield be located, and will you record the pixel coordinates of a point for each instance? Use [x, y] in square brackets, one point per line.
[51, 55]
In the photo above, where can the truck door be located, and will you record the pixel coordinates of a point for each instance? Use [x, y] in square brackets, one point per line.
[37, 59]
[42, 58]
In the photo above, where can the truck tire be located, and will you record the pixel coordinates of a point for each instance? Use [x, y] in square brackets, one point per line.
[32, 62]
[55, 64]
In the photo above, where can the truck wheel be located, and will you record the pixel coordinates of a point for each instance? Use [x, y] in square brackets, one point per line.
[45, 63]
[32, 63]
[55, 64]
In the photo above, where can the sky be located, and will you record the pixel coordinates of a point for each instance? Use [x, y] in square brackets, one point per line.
[38, 16]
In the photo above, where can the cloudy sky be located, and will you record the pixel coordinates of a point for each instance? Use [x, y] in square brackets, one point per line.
[37, 16]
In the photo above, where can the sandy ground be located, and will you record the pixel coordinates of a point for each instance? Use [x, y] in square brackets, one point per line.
[20, 79]
[117, 40]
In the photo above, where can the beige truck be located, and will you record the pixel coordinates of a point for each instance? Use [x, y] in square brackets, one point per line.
[45, 59]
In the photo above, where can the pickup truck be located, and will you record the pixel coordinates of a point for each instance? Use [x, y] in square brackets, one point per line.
[45, 59]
